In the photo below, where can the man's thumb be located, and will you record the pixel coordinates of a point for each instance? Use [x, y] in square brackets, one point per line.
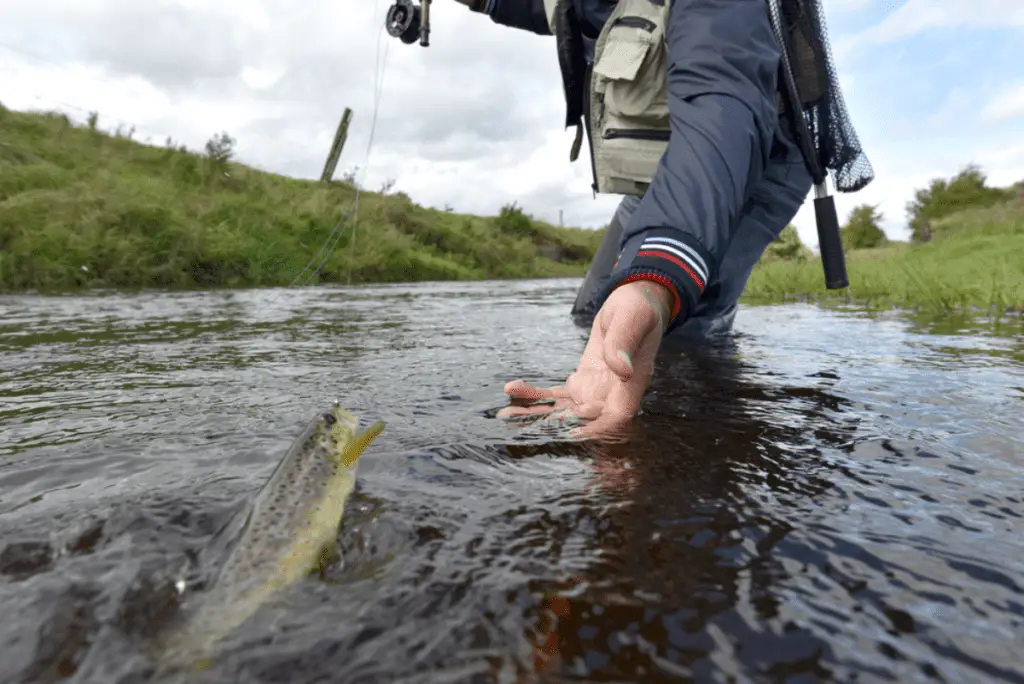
[621, 341]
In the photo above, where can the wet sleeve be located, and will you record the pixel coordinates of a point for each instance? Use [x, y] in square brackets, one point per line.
[722, 76]
[529, 15]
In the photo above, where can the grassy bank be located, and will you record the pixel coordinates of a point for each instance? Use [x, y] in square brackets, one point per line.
[974, 260]
[81, 208]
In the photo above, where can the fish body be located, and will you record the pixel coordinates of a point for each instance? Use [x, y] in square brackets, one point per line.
[291, 528]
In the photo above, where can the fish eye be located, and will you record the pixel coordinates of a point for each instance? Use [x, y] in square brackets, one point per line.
[329, 419]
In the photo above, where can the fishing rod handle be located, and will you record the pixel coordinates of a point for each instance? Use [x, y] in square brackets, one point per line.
[830, 242]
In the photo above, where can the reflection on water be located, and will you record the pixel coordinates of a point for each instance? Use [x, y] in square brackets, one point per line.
[831, 496]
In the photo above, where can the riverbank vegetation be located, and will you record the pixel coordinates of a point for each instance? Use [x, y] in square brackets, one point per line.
[964, 254]
[83, 208]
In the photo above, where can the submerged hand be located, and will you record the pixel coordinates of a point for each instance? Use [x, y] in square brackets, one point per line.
[616, 368]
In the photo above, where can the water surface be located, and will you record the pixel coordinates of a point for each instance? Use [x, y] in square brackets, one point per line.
[832, 496]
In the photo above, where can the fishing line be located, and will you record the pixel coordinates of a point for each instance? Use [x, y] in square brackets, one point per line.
[348, 219]
[380, 67]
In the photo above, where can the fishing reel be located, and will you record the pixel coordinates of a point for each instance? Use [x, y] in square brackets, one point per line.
[409, 22]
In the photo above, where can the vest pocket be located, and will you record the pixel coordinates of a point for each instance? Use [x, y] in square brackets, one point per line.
[627, 163]
[629, 111]
[632, 71]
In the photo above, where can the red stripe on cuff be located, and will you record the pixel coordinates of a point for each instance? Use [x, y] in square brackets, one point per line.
[677, 262]
[661, 280]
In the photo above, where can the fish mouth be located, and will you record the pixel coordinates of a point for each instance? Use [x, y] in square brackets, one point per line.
[337, 418]
[347, 440]
[354, 449]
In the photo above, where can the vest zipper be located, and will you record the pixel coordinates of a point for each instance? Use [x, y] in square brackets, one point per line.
[636, 134]
[587, 89]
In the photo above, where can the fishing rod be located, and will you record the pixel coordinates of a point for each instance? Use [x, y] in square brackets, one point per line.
[409, 22]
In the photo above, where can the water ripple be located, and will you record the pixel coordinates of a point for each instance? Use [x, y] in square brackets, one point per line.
[830, 496]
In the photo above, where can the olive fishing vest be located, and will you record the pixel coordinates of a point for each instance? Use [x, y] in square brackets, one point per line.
[622, 98]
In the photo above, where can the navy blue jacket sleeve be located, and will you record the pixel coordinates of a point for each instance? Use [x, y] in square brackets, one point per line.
[722, 78]
[528, 15]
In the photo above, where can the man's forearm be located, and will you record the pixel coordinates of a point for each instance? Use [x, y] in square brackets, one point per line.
[723, 65]
[528, 15]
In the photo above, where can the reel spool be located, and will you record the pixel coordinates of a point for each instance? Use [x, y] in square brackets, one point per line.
[409, 22]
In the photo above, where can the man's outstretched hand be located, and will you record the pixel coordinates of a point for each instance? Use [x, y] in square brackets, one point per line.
[616, 368]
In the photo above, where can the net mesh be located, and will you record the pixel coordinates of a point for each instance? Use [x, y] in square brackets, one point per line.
[833, 137]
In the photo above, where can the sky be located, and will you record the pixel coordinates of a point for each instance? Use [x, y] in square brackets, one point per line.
[475, 121]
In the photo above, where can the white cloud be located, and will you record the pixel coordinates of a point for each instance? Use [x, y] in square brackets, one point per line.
[472, 121]
[916, 16]
[851, 5]
[1009, 104]
[261, 78]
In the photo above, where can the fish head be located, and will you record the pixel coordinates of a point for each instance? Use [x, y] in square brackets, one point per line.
[342, 437]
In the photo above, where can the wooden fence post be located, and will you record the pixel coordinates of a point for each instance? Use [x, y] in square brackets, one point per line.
[339, 142]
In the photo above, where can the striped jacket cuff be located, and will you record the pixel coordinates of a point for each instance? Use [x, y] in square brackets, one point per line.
[674, 260]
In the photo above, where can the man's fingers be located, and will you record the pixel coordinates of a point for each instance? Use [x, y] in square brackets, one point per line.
[568, 413]
[560, 411]
[536, 409]
[520, 389]
[512, 412]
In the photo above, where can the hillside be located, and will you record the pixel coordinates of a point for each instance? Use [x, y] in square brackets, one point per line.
[81, 208]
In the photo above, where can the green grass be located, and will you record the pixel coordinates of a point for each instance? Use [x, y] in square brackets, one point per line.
[80, 208]
[974, 262]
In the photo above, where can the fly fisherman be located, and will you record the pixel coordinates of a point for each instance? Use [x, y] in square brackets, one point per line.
[681, 102]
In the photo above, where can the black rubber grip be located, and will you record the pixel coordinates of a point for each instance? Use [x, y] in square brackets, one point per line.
[833, 260]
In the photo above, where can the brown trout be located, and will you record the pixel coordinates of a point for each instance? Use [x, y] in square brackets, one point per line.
[290, 530]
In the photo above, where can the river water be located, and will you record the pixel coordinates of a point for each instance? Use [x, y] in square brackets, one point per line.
[830, 496]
